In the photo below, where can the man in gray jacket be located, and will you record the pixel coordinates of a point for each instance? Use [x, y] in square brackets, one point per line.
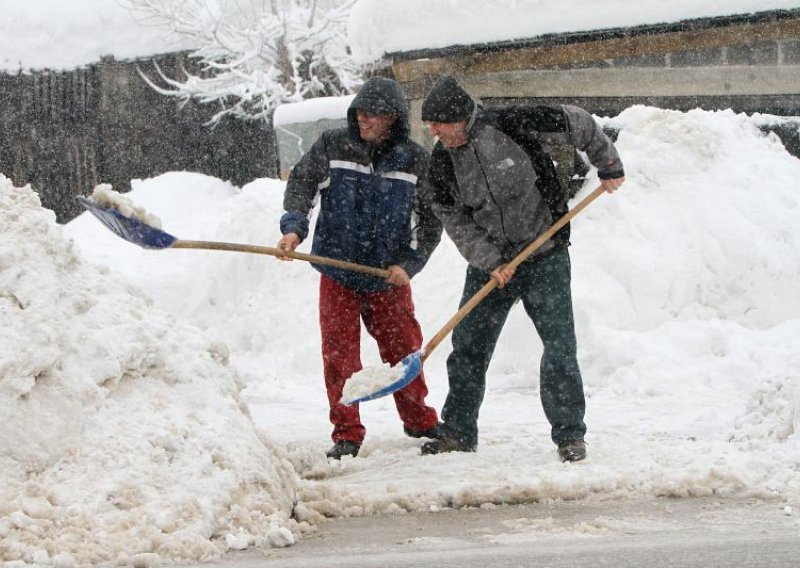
[495, 190]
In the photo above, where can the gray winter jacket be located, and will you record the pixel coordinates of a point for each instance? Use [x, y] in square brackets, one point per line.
[498, 192]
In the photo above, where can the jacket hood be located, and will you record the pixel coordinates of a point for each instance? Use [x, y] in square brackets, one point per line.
[381, 96]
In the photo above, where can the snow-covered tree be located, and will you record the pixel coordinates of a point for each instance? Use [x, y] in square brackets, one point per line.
[256, 54]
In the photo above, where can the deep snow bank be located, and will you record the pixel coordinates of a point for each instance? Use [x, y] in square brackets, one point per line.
[122, 434]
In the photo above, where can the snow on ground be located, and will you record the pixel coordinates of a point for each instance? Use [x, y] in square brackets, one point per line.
[688, 321]
[122, 431]
[377, 27]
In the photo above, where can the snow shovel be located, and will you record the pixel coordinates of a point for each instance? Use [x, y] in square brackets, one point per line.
[408, 369]
[148, 237]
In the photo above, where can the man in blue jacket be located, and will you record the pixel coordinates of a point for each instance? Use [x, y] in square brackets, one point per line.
[496, 190]
[366, 177]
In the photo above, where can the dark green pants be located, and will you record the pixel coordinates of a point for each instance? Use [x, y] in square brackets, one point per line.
[544, 288]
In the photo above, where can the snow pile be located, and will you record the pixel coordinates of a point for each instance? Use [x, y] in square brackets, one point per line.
[372, 380]
[695, 275]
[123, 437]
[772, 411]
[714, 212]
[377, 27]
[227, 292]
[106, 197]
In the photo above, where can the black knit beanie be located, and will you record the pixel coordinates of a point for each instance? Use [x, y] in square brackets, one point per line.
[447, 102]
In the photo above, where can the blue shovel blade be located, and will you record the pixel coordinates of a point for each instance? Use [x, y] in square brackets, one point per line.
[412, 365]
[130, 229]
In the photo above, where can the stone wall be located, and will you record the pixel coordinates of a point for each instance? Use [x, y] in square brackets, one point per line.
[65, 132]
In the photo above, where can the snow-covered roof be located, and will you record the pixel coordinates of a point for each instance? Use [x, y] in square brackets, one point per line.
[312, 109]
[55, 34]
[378, 27]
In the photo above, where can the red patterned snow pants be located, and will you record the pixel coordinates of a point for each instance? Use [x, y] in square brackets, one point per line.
[388, 316]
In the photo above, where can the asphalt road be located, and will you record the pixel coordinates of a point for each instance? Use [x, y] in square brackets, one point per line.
[702, 532]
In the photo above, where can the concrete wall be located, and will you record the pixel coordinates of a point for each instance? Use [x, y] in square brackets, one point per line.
[65, 132]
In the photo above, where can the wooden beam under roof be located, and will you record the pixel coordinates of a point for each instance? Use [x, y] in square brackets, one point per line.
[600, 48]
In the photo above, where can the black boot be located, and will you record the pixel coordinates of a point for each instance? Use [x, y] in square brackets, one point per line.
[572, 450]
[433, 432]
[343, 448]
[443, 445]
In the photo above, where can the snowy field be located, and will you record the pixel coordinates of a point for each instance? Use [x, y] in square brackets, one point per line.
[169, 405]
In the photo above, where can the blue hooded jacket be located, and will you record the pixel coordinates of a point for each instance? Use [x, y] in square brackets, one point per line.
[371, 211]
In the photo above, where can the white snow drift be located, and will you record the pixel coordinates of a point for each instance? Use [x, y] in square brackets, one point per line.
[122, 432]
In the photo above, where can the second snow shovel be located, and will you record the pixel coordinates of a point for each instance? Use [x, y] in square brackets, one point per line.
[146, 236]
[370, 385]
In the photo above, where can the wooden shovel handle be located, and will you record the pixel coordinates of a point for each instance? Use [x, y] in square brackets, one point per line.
[517, 260]
[256, 249]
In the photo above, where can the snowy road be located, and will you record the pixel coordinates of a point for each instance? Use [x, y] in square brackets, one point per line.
[654, 533]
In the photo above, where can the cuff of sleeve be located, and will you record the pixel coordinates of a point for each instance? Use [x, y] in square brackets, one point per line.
[412, 265]
[294, 222]
[611, 175]
[490, 261]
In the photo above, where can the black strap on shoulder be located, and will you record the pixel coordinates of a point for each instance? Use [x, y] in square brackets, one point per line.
[520, 123]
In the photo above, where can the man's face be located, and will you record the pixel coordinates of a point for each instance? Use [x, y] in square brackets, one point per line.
[374, 127]
[451, 134]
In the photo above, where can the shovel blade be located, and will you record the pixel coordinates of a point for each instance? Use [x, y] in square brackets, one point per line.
[411, 365]
[132, 230]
